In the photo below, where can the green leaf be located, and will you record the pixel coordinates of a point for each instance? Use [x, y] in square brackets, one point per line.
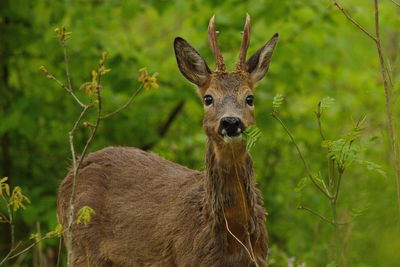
[251, 135]
[17, 199]
[4, 186]
[85, 215]
[277, 102]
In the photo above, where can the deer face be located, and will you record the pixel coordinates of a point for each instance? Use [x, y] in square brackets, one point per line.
[227, 96]
[228, 106]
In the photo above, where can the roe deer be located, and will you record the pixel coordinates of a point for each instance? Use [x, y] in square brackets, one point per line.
[153, 212]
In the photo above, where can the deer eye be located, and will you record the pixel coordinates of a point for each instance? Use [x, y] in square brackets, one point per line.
[250, 100]
[208, 100]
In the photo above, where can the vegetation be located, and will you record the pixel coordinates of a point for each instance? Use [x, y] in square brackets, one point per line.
[332, 90]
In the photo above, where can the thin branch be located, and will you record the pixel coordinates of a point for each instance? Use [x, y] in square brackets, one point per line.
[331, 173]
[387, 89]
[354, 22]
[8, 256]
[78, 164]
[67, 66]
[388, 102]
[316, 214]
[71, 135]
[396, 3]
[301, 157]
[335, 197]
[238, 240]
[25, 249]
[126, 104]
[59, 251]
[51, 76]
[10, 221]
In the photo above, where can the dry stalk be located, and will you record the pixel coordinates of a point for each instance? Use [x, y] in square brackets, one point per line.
[387, 88]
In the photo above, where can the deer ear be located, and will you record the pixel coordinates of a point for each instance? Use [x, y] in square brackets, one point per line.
[258, 64]
[191, 63]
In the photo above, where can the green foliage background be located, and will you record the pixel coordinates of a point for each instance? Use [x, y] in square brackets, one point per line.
[319, 54]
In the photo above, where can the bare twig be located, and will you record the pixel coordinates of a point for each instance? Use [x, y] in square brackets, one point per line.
[71, 135]
[316, 214]
[51, 76]
[59, 251]
[245, 211]
[10, 221]
[353, 21]
[388, 102]
[67, 65]
[387, 89]
[25, 249]
[8, 256]
[77, 164]
[238, 240]
[126, 104]
[310, 175]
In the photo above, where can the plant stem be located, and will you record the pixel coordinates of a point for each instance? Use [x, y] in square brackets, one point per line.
[10, 221]
[8, 256]
[335, 197]
[316, 214]
[310, 175]
[59, 252]
[12, 227]
[126, 104]
[78, 163]
[336, 232]
[387, 89]
[353, 21]
[388, 102]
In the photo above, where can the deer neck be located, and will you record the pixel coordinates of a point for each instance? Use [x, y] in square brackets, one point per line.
[229, 187]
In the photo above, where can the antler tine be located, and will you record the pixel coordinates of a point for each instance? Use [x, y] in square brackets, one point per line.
[212, 39]
[241, 64]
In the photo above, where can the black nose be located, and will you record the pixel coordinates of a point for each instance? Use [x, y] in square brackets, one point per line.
[231, 126]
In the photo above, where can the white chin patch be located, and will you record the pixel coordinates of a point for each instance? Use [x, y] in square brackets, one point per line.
[229, 139]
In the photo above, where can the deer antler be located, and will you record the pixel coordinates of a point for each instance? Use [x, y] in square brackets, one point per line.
[212, 39]
[241, 64]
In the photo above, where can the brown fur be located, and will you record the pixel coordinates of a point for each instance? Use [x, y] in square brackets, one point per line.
[153, 212]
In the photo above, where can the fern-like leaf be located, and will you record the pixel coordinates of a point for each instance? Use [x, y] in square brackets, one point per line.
[277, 102]
[251, 135]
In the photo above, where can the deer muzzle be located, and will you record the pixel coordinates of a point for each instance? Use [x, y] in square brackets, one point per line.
[231, 127]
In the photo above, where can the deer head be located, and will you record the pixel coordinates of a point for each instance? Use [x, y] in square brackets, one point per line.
[227, 96]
